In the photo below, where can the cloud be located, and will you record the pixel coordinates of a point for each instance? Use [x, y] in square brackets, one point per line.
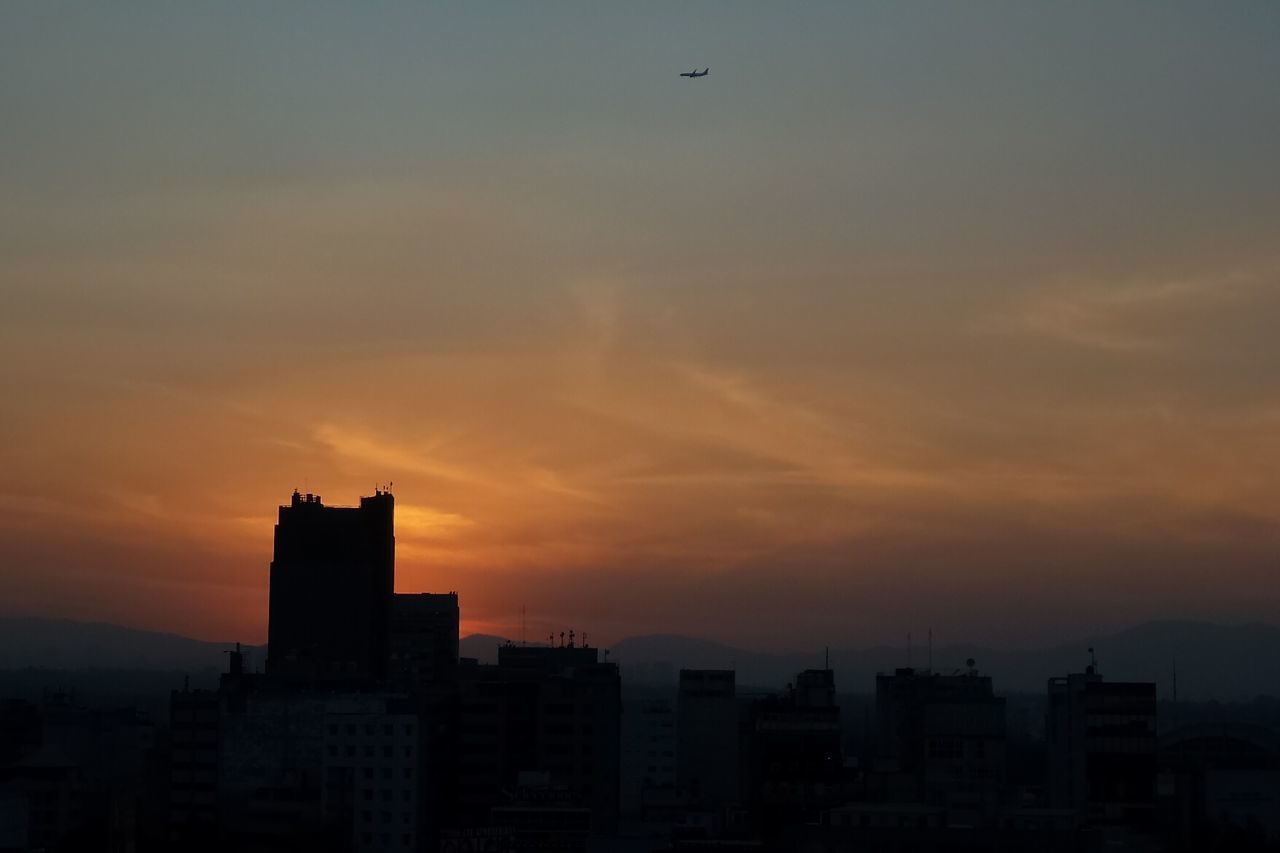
[1138, 317]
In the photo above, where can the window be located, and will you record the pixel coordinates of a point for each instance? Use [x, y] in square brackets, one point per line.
[946, 748]
[388, 730]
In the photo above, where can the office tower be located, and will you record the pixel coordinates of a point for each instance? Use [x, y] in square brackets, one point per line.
[1101, 738]
[424, 641]
[709, 736]
[373, 766]
[795, 760]
[940, 739]
[332, 579]
[553, 712]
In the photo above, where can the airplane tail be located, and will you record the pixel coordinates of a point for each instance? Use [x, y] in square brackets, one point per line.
[706, 70]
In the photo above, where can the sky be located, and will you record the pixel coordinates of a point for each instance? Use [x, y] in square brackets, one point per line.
[910, 315]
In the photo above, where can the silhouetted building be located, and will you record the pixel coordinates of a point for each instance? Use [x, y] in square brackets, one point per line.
[543, 818]
[553, 710]
[940, 741]
[1218, 786]
[80, 787]
[194, 717]
[710, 732]
[424, 641]
[1101, 740]
[373, 765]
[796, 762]
[649, 759]
[332, 580]
[336, 770]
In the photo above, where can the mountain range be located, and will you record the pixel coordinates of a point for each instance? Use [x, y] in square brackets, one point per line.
[1211, 661]
[1208, 661]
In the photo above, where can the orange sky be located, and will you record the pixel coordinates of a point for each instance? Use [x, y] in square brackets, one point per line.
[966, 323]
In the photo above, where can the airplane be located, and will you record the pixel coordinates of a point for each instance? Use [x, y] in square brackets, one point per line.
[696, 73]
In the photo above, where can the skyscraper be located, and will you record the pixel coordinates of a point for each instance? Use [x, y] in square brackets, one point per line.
[1101, 738]
[332, 580]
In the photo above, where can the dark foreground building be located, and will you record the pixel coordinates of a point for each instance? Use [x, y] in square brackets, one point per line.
[1101, 742]
[539, 740]
[332, 580]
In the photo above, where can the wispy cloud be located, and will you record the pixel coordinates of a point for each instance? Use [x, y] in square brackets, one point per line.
[1127, 316]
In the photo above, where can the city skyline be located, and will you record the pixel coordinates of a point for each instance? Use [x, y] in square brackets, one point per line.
[957, 317]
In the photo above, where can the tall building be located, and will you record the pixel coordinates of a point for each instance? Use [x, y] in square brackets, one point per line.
[649, 758]
[709, 732]
[372, 771]
[424, 641]
[796, 761]
[332, 581]
[550, 711]
[940, 740]
[1101, 738]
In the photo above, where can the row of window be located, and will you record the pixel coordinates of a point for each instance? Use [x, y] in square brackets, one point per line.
[366, 838]
[366, 816]
[369, 751]
[370, 729]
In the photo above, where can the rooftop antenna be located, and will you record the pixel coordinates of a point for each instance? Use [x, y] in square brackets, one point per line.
[931, 650]
[826, 657]
[1093, 661]
[522, 625]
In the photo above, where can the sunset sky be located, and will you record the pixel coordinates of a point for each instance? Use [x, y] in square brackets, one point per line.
[910, 314]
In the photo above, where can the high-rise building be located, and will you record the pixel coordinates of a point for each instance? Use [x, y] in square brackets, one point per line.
[1101, 738]
[709, 732]
[424, 641]
[332, 581]
[554, 711]
[940, 739]
[796, 762]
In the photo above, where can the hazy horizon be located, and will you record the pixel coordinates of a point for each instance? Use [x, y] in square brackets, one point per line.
[905, 316]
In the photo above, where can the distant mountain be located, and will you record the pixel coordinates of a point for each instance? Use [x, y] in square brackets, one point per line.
[482, 647]
[1225, 662]
[67, 644]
